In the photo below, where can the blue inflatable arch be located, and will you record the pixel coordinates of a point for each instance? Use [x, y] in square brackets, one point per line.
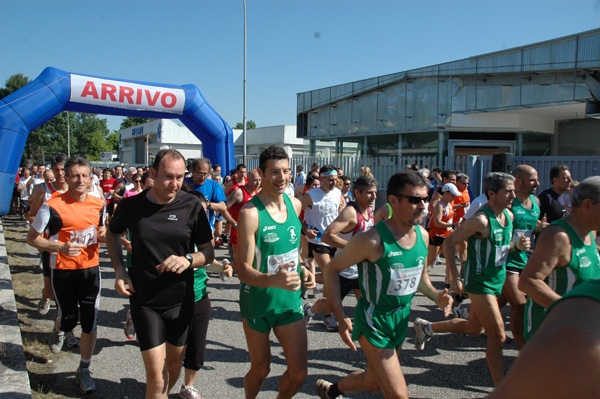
[55, 91]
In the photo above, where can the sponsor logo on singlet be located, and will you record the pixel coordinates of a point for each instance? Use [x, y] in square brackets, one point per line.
[398, 253]
[269, 228]
[271, 237]
[172, 218]
[293, 234]
[584, 262]
[579, 252]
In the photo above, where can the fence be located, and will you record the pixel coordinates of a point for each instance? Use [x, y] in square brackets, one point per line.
[475, 166]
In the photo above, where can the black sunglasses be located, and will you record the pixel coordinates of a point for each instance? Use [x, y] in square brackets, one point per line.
[413, 199]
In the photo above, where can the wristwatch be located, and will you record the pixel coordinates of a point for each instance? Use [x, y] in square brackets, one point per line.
[190, 258]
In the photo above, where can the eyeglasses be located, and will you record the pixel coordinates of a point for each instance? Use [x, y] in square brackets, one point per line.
[201, 174]
[413, 199]
[137, 181]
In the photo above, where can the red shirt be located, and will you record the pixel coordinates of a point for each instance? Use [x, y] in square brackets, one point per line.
[108, 185]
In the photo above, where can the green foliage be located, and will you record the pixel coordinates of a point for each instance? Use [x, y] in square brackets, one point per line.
[113, 141]
[14, 83]
[249, 125]
[131, 121]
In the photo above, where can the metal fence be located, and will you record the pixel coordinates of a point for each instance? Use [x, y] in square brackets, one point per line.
[475, 166]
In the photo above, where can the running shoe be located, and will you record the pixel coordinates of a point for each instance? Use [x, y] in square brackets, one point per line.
[461, 312]
[420, 335]
[218, 242]
[84, 379]
[318, 289]
[56, 340]
[129, 328]
[322, 388]
[43, 306]
[71, 339]
[331, 323]
[305, 308]
[224, 238]
[188, 392]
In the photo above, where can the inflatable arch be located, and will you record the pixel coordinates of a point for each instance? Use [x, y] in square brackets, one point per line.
[55, 91]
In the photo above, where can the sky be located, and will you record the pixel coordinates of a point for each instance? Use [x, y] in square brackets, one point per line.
[293, 46]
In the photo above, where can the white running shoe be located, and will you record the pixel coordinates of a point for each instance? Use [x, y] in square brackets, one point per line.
[188, 392]
[420, 335]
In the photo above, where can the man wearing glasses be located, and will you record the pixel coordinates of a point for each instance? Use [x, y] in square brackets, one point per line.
[391, 259]
[346, 189]
[212, 190]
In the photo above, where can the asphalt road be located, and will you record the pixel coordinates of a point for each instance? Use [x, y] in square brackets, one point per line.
[451, 366]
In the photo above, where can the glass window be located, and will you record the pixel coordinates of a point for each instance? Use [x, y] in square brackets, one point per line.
[536, 144]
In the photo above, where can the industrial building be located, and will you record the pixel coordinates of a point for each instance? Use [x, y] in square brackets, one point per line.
[538, 99]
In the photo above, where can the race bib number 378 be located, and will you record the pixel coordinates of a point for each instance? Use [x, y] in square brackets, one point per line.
[404, 281]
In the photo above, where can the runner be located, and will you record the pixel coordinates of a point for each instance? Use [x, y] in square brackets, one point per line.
[355, 218]
[236, 200]
[565, 255]
[321, 207]
[165, 224]
[566, 345]
[550, 207]
[526, 211]
[75, 223]
[393, 257]
[269, 269]
[489, 235]
[40, 195]
[441, 224]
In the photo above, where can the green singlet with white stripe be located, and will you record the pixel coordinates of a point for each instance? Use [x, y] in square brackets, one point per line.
[485, 270]
[584, 266]
[524, 223]
[276, 243]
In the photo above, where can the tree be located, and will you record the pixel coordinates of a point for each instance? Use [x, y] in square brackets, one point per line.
[14, 83]
[113, 141]
[249, 125]
[132, 121]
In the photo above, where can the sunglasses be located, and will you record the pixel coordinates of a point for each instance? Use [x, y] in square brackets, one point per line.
[137, 181]
[413, 199]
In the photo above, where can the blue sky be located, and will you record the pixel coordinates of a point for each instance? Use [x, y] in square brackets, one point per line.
[293, 46]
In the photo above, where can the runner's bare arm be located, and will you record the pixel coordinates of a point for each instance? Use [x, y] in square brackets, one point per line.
[115, 252]
[346, 221]
[36, 201]
[363, 246]
[381, 214]
[479, 224]
[441, 298]
[553, 249]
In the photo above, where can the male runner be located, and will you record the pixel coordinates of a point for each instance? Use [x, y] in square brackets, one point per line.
[237, 199]
[448, 176]
[489, 234]
[75, 223]
[565, 254]
[354, 218]
[41, 194]
[563, 359]
[165, 224]
[550, 207]
[392, 259]
[269, 270]
[322, 206]
[237, 180]
[526, 211]
[441, 224]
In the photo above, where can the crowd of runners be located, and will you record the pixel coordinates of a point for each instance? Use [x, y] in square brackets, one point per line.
[289, 233]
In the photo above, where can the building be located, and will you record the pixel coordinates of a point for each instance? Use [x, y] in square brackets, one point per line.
[529, 100]
[135, 143]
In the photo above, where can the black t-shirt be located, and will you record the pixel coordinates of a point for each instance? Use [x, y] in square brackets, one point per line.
[550, 206]
[157, 232]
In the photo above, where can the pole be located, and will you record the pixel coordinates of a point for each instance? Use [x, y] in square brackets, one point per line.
[68, 137]
[244, 133]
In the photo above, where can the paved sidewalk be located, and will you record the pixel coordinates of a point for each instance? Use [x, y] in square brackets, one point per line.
[451, 366]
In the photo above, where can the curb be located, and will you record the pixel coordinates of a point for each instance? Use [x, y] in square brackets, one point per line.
[14, 378]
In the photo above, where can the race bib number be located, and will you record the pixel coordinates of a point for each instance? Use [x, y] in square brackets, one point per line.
[85, 237]
[404, 281]
[501, 254]
[275, 261]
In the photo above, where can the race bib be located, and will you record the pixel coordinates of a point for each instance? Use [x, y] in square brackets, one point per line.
[501, 254]
[275, 261]
[85, 237]
[404, 281]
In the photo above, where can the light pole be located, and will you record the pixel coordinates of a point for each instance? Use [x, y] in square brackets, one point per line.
[244, 122]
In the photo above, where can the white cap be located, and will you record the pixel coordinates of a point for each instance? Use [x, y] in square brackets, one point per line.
[452, 188]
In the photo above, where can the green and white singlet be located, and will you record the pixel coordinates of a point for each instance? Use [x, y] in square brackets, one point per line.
[524, 223]
[392, 280]
[276, 243]
[584, 266]
[486, 257]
